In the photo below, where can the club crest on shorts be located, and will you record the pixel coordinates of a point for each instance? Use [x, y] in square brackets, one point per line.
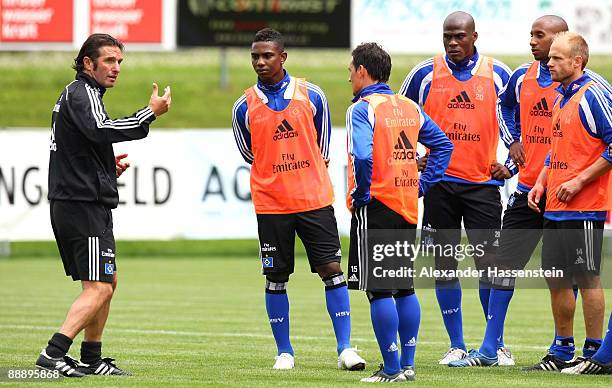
[109, 268]
[267, 262]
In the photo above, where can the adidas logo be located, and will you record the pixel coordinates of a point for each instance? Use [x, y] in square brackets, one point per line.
[284, 131]
[392, 348]
[339, 253]
[461, 101]
[353, 278]
[411, 342]
[579, 260]
[403, 149]
[541, 109]
[557, 132]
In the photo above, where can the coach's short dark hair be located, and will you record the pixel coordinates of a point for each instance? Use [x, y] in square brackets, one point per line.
[91, 49]
[375, 60]
[270, 35]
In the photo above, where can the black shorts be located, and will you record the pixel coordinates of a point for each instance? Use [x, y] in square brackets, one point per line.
[520, 235]
[572, 246]
[447, 204]
[317, 229]
[376, 226]
[84, 235]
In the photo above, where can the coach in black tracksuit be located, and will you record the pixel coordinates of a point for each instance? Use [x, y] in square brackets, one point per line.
[83, 171]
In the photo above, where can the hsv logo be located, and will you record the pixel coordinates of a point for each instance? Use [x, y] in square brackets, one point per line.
[541, 109]
[450, 311]
[403, 149]
[284, 131]
[461, 101]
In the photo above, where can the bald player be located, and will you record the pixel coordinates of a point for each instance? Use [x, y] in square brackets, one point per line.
[525, 118]
[458, 90]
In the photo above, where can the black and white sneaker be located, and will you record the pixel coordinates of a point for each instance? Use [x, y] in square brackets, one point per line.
[104, 366]
[552, 363]
[409, 374]
[381, 377]
[589, 367]
[67, 366]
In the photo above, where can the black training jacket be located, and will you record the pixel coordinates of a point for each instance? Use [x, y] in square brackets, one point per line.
[82, 161]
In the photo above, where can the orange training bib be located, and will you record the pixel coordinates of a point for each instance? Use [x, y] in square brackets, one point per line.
[573, 151]
[288, 174]
[395, 178]
[465, 111]
[536, 105]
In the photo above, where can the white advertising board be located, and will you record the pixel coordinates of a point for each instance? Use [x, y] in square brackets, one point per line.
[503, 26]
[182, 184]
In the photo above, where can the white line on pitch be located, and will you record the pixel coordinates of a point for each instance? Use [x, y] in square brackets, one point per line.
[227, 334]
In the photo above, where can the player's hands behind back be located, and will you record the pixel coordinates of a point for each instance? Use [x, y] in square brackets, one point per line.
[160, 105]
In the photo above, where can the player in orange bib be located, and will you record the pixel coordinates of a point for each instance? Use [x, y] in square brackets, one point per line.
[282, 128]
[525, 119]
[458, 91]
[383, 189]
[577, 182]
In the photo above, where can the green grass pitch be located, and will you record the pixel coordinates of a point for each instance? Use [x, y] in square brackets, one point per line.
[193, 321]
[31, 82]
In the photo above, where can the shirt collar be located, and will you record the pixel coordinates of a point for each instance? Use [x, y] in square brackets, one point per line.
[90, 81]
[380, 88]
[276, 87]
[573, 87]
[466, 64]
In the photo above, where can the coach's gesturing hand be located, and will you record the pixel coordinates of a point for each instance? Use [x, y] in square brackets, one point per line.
[121, 166]
[160, 105]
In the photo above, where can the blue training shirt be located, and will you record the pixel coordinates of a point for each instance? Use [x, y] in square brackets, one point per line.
[360, 123]
[418, 82]
[277, 97]
[595, 113]
[508, 104]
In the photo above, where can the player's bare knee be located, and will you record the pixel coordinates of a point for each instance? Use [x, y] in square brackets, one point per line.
[103, 290]
[329, 269]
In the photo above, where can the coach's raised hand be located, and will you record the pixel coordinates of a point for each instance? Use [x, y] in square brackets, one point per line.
[160, 105]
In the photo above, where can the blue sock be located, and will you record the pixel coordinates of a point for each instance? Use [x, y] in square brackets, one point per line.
[409, 314]
[563, 347]
[604, 354]
[591, 346]
[339, 309]
[484, 292]
[385, 323]
[449, 299]
[277, 305]
[498, 307]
